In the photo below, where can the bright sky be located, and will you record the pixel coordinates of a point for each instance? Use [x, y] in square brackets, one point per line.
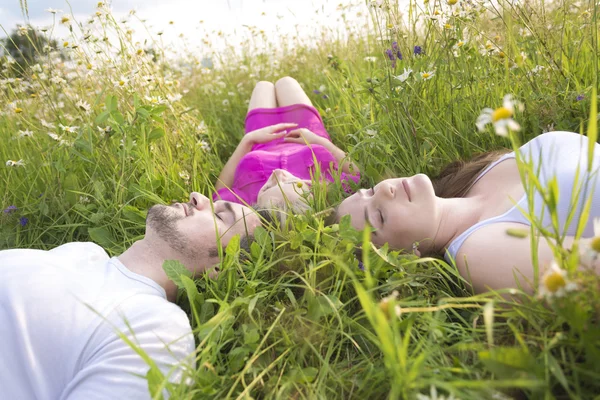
[306, 17]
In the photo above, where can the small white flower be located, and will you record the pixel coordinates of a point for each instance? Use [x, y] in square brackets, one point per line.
[25, 133]
[53, 135]
[155, 99]
[322, 88]
[66, 20]
[201, 128]
[204, 145]
[57, 80]
[371, 132]
[84, 106]
[500, 118]
[69, 129]
[225, 102]
[184, 175]
[121, 82]
[175, 97]
[53, 10]
[404, 76]
[370, 59]
[555, 283]
[11, 163]
[433, 395]
[106, 129]
[427, 75]
[22, 30]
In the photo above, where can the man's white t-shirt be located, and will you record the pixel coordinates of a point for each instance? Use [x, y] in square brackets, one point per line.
[60, 311]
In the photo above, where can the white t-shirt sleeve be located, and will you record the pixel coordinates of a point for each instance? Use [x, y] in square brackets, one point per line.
[158, 328]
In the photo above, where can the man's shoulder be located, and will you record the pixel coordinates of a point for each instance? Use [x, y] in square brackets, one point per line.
[155, 313]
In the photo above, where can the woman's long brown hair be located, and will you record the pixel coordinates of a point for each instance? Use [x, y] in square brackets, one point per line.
[456, 178]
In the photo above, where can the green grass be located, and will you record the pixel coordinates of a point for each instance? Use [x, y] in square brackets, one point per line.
[298, 319]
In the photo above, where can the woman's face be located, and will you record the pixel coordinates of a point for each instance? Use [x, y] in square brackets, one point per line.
[401, 211]
[282, 187]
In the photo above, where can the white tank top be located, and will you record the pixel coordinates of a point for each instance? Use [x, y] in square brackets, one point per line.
[553, 154]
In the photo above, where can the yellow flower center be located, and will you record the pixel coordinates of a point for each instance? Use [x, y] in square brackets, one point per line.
[18, 110]
[501, 113]
[64, 20]
[452, 2]
[554, 281]
[426, 75]
[121, 83]
[501, 54]
[33, 95]
[595, 245]
[460, 44]
[448, 26]
[140, 52]
[65, 44]
[89, 66]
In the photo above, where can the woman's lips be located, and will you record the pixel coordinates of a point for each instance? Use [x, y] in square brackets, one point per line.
[406, 188]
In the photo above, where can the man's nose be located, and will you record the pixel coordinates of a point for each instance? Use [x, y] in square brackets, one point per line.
[199, 201]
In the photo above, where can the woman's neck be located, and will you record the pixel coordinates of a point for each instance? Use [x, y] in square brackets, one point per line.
[456, 216]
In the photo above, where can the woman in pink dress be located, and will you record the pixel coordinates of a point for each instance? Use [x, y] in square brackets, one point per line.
[285, 140]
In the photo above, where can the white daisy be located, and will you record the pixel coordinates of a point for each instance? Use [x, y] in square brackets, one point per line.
[11, 163]
[25, 133]
[427, 75]
[69, 129]
[53, 10]
[370, 59]
[500, 118]
[83, 106]
[555, 283]
[371, 132]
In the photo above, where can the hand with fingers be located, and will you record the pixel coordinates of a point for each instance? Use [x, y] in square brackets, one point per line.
[303, 136]
[269, 133]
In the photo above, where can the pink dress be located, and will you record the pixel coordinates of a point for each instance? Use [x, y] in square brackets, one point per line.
[255, 168]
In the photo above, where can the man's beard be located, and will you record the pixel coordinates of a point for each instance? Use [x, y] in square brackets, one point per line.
[163, 221]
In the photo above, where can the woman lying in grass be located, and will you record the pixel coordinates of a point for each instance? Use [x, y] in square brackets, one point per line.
[472, 211]
[273, 164]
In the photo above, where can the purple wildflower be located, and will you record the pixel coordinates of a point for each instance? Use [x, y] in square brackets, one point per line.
[361, 266]
[23, 221]
[391, 56]
[396, 50]
[418, 50]
[325, 96]
[10, 209]
[580, 97]
[316, 91]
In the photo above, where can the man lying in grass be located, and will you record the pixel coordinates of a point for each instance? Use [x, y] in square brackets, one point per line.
[472, 212]
[274, 167]
[66, 315]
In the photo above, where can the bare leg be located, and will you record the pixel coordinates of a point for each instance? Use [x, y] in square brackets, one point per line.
[289, 91]
[263, 96]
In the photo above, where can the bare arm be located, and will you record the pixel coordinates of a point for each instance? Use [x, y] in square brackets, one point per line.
[305, 136]
[262, 135]
[492, 259]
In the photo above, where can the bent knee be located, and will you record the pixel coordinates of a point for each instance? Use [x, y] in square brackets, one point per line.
[286, 80]
[264, 84]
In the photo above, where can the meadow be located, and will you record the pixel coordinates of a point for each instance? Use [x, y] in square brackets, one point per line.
[97, 127]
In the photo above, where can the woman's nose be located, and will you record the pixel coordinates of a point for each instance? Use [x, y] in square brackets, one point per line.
[199, 201]
[386, 190]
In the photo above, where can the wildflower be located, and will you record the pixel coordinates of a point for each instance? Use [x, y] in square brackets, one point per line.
[417, 50]
[427, 75]
[384, 304]
[121, 82]
[555, 283]
[22, 30]
[23, 221]
[391, 56]
[25, 133]
[201, 128]
[184, 175]
[155, 99]
[107, 129]
[11, 163]
[69, 129]
[57, 80]
[53, 135]
[83, 106]
[203, 145]
[361, 266]
[53, 10]
[371, 132]
[225, 102]
[10, 209]
[404, 76]
[84, 199]
[452, 2]
[501, 117]
[396, 50]
[590, 252]
[46, 124]
[370, 59]
[66, 20]
[580, 97]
